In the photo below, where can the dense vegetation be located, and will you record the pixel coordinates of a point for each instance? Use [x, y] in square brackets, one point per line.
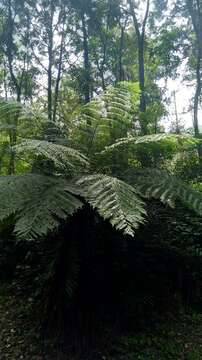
[100, 183]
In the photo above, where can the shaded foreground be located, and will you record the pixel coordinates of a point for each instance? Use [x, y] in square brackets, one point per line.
[176, 339]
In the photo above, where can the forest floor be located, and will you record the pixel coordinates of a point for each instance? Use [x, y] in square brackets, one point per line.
[175, 340]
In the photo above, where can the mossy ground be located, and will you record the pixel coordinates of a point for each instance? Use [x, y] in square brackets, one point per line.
[179, 339]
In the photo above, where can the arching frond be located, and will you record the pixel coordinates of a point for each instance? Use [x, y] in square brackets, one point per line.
[131, 140]
[105, 119]
[38, 203]
[25, 120]
[10, 110]
[115, 200]
[114, 105]
[117, 104]
[166, 187]
[63, 157]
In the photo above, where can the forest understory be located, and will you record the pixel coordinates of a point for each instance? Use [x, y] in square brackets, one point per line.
[172, 338]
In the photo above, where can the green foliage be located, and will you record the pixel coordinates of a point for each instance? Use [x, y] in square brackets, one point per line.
[169, 138]
[165, 50]
[105, 119]
[40, 205]
[64, 158]
[169, 189]
[115, 200]
[37, 202]
[27, 121]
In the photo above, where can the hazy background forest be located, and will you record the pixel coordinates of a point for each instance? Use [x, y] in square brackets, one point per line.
[100, 179]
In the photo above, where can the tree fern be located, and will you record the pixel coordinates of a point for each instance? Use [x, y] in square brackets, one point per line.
[114, 105]
[104, 119]
[115, 200]
[10, 109]
[168, 188]
[38, 203]
[16, 117]
[117, 103]
[131, 140]
[64, 158]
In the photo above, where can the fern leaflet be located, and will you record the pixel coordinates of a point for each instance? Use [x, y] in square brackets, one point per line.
[115, 200]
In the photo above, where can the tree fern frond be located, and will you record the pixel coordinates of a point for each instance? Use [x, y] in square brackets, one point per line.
[131, 140]
[15, 116]
[9, 109]
[166, 187]
[118, 98]
[105, 118]
[37, 201]
[63, 157]
[112, 105]
[115, 200]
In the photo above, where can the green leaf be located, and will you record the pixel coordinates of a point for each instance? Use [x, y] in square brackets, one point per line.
[63, 157]
[166, 187]
[131, 140]
[115, 200]
[38, 202]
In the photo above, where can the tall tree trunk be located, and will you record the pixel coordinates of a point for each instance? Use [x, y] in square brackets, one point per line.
[57, 85]
[195, 11]
[141, 74]
[143, 106]
[87, 80]
[50, 60]
[197, 101]
[17, 85]
[9, 50]
[5, 82]
[177, 125]
[197, 93]
[140, 33]
[120, 74]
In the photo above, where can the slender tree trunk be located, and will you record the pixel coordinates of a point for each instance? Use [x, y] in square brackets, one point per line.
[141, 74]
[120, 65]
[9, 50]
[17, 86]
[197, 93]
[5, 82]
[50, 60]
[177, 127]
[195, 12]
[140, 33]
[57, 85]
[87, 80]
[197, 101]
